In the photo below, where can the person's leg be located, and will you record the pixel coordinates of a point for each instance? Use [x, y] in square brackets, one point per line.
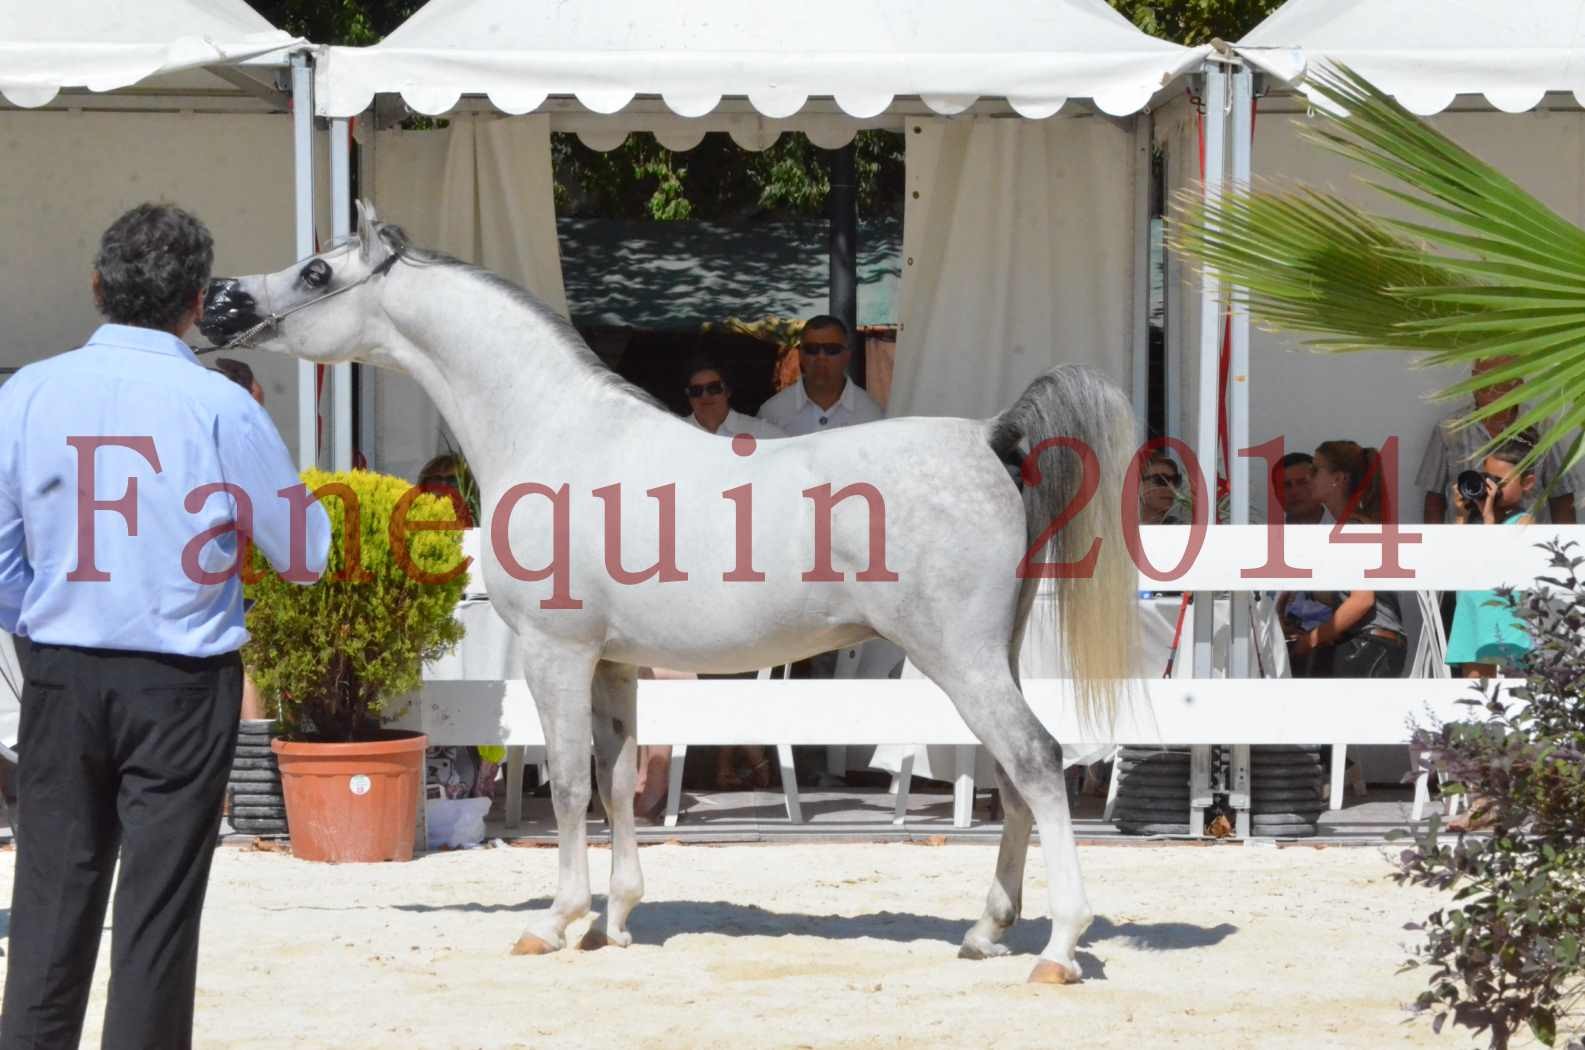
[1477, 811]
[809, 760]
[66, 851]
[759, 766]
[654, 772]
[252, 701]
[175, 720]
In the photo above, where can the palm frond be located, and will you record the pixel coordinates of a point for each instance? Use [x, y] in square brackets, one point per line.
[1484, 271]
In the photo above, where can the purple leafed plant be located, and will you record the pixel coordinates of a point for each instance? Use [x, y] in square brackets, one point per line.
[1505, 954]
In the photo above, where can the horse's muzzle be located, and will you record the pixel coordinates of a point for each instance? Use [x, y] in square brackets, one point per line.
[228, 310]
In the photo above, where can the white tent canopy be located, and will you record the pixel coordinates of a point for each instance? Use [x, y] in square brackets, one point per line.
[164, 88]
[103, 45]
[1426, 52]
[1074, 245]
[1035, 54]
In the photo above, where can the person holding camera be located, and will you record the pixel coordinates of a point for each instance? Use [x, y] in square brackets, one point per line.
[1453, 450]
[1487, 636]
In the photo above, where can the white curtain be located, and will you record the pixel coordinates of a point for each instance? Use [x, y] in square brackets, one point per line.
[481, 190]
[1018, 255]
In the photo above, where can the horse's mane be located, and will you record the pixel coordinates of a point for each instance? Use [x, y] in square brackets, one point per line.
[572, 342]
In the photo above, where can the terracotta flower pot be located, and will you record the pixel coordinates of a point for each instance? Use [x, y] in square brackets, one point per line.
[355, 802]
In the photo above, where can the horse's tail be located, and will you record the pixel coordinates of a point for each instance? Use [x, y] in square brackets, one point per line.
[1098, 609]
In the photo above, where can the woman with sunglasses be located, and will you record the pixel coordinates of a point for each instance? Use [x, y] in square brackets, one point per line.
[1161, 500]
[710, 409]
[710, 405]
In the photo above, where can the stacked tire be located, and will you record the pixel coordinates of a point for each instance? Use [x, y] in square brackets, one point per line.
[1152, 791]
[257, 806]
[1287, 791]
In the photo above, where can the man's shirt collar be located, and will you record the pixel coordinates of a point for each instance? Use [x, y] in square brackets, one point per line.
[148, 340]
[803, 400]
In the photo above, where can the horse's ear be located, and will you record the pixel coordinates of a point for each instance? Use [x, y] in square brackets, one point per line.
[366, 222]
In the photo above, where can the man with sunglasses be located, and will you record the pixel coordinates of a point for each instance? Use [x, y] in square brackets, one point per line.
[824, 398]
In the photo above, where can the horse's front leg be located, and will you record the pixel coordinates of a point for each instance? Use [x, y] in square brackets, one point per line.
[616, 761]
[560, 682]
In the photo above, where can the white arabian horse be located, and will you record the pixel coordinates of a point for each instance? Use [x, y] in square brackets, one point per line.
[925, 551]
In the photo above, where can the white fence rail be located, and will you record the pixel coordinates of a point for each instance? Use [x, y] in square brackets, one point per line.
[1196, 713]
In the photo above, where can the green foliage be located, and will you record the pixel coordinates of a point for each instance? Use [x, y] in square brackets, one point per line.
[328, 656]
[1485, 271]
[1506, 955]
[1196, 21]
[717, 181]
[353, 23]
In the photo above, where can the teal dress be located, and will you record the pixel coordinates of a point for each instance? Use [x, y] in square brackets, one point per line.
[1486, 631]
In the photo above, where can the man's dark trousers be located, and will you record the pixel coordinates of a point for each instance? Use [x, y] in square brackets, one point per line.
[128, 750]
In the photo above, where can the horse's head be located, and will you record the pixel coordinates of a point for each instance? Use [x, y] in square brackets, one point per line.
[325, 308]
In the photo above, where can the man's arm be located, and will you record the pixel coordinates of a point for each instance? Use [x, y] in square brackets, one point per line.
[15, 572]
[1560, 506]
[772, 411]
[255, 459]
[866, 409]
[1433, 477]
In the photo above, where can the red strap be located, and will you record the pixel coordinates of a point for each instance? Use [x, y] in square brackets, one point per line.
[1177, 633]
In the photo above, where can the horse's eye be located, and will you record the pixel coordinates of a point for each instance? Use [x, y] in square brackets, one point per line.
[316, 274]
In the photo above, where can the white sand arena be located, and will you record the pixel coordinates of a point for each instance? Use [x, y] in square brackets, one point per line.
[840, 945]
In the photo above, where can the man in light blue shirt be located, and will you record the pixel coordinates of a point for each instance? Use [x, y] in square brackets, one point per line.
[127, 472]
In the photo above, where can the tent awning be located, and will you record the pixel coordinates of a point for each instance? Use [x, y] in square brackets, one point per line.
[1427, 52]
[1036, 54]
[103, 45]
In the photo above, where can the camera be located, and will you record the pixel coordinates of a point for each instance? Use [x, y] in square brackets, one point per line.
[1472, 486]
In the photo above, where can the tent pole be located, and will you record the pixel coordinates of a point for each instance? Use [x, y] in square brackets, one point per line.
[1139, 319]
[1215, 99]
[844, 296]
[341, 224]
[303, 174]
[1238, 370]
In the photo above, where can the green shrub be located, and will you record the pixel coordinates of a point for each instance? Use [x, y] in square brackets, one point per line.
[1506, 954]
[328, 656]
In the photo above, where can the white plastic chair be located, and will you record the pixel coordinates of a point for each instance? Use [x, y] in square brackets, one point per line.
[784, 757]
[1429, 661]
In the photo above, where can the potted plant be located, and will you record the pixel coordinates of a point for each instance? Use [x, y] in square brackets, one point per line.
[330, 657]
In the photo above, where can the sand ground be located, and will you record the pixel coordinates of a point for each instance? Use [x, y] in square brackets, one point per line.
[828, 945]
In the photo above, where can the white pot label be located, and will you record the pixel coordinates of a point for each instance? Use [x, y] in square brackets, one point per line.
[360, 785]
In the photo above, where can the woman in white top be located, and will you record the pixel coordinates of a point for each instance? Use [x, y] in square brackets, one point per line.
[710, 407]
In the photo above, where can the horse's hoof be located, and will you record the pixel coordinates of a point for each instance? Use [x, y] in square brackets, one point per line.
[1048, 972]
[982, 950]
[528, 944]
[594, 940]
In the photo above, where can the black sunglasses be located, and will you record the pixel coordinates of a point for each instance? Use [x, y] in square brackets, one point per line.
[1163, 480]
[829, 349]
[705, 389]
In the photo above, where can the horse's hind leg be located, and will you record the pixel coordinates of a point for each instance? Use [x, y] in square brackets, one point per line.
[990, 702]
[616, 762]
[1005, 901]
[560, 683]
